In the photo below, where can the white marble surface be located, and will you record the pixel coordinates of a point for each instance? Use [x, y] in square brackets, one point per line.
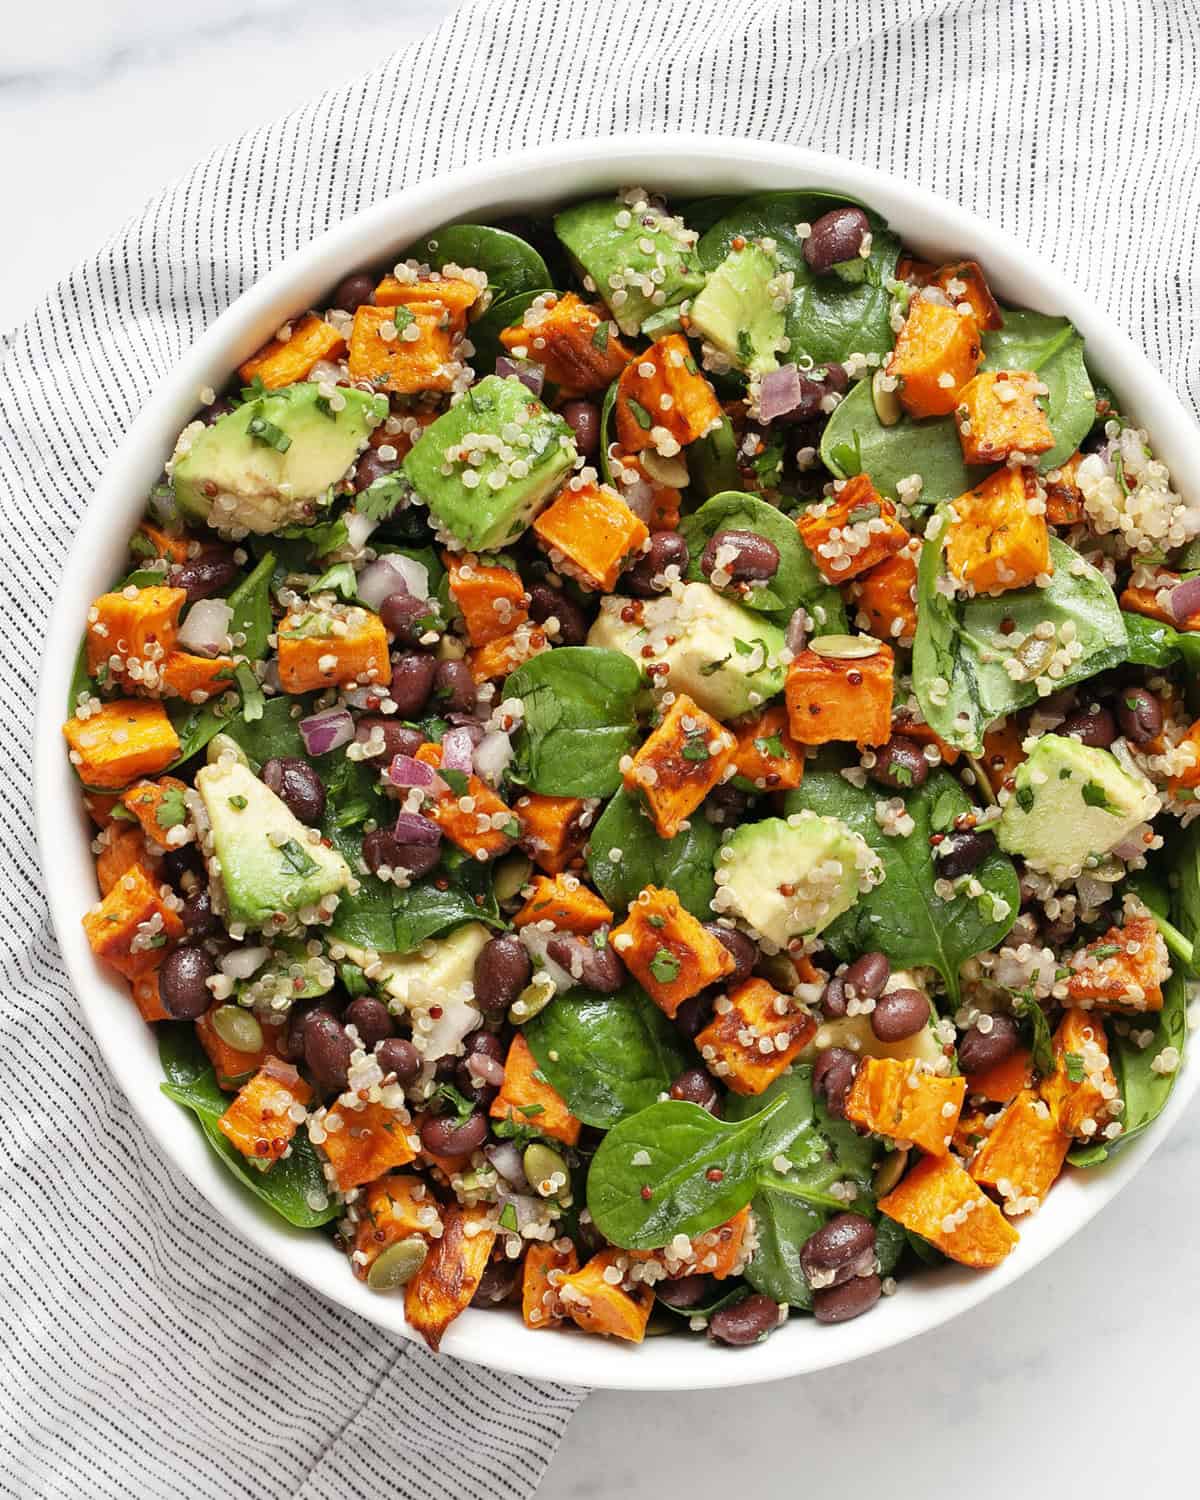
[1076, 1382]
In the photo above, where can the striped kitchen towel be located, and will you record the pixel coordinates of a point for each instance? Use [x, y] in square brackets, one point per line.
[144, 1349]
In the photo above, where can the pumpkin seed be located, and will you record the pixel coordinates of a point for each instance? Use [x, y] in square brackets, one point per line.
[238, 1028]
[220, 744]
[542, 1163]
[889, 1171]
[533, 999]
[511, 874]
[668, 471]
[844, 647]
[1035, 654]
[398, 1264]
[886, 402]
[450, 648]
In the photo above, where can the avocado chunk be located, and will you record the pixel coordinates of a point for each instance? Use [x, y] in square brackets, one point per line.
[1071, 805]
[441, 975]
[640, 259]
[790, 877]
[737, 313]
[488, 465]
[268, 864]
[270, 462]
[721, 654]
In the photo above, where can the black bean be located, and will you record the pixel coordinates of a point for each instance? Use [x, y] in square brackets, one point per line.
[297, 786]
[746, 1322]
[327, 1051]
[1023, 930]
[398, 739]
[371, 467]
[743, 950]
[198, 916]
[546, 603]
[497, 1283]
[583, 417]
[398, 1056]
[291, 1041]
[382, 850]
[685, 1291]
[502, 971]
[838, 1304]
[835, 237]
[353, 291]
[371, 1019]
[454, 688]
[979, 1050]
[899, 1014]
[209, 573]
[444, 1136]
[182, 986]
[833, 1073]
[412, 682]
[595, 968]
[726, 806]
[1093, 725]
[900, 764]
[215, 410]
[694, 1014]
[176, 863]
[867, 976]
[405, 617]
[1139, 714]
[755, 557]
[695, 1085]
[644, 577]
[834, 999]
[963, 851]
[840, 1249]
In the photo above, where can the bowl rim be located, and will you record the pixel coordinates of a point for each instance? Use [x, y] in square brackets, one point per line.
[537, 175]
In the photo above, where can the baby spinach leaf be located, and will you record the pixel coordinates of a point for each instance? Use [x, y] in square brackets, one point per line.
[511, 264]
[486, 329]
[784, 1222]
[699, 1172]
[607, 408]
[275, 732]
[195, 724]
[683, 864]
[250, 602]
[1041, 1041]
[795, 582]
[855, 441]
[961, 642]
[905, 917]
[712, 462]
[607, 1055]
[1150, 642]
[580, 719]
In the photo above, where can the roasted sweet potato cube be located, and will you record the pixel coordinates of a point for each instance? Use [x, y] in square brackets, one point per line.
[259, 1122]
[498, 658]
[912, 728]
[196, 679]
[450, 1277]
[124, 740]
[574, 342]
[100, 807]
[134, 925]
[1003, 1081]
[680, 763]
[886, 596]
[755, 1033]
[964, 281]
[456, 295]
[158, 806]
[590, 533]
[718, 1252]
[598, 1305]
[937, 352]
[900, 1100]
[998, 415]
[485, 829]
[1149, 593]
[565, 902]
[1187, 773]
[391, 361]
[997, 538]
[232, 1067]
[850, 534]
[153, 539]
[542, 1274]
[1082, 1091]
[492, 598]
[286, 360]
[1123, 970]
[365, 1142]
[841, 698]
[670, 954]
[338, 646]
[939, 1201]
[1022, 1155]
[147, 998]
[663, 399]
[122, 847]
[527, 1098]
[1064, 498]
[393, 1208]
[129, 632]
[766, 755]
[1003, 752]
[553, 829]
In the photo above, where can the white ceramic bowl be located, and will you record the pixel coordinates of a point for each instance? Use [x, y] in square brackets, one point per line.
[684, 166]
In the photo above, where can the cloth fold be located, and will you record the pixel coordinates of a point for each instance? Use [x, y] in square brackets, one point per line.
[144, 1348]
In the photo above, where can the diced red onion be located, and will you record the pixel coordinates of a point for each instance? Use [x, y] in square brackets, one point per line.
[242, 962]
[458, 749]
[1185, 599]
[205, 631]
[492, 756]
[358, 529]
[639, 496]
[506, 1159]
[529, 1210]
[327, 730]
[485, 1069]
[536, 942]
[780, 392]
[531, 375]
[412, 828]
[271, 679]
[280, 1071]
[404, 771]
[393, 573]
[366, 696]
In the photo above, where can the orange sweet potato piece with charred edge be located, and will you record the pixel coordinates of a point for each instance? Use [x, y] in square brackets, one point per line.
[450, 1277]
[998, 415]
[1107, 976]
[147, 998]
[455, 294]
[574, 342]
[916, 729]
[492, 599]
[939, 1201]
[285, 361]
[766, 754]
[1003, 1081]
[124, 849]
[552, 829]
[100, 807]
[918, 272]
[133, 927]
[994, 540]
[1003, 752]
[964, 281]
[405, 366]
[597, 1306]
[466, 828]
[729, 1044]
[158, 806]
[565, 901]
[196, 678]
[937, 351]
[527, 1098]
[894, 1098]
[886, 596]
[679, 764]
[232, 1067]
[718, 1252]
[257, 1123]
[590, 534]
[831, 698]
[125, 740]
[163, 543]
[691, 406]
[499, 658]
[1083, 1085]
[312, 656]
[543, 1271]
[1023, 1154]
[850, 534]
[1064, 498]
[1149, 597]
[670, 954]
[369, 1142]
[393, 1208]
[132, 628]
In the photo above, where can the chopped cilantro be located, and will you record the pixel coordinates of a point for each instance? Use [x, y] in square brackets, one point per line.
[639, 413]
[262, 430]
[665, 966]
[237, 802]
[508, 1217]
[600, 337]
[457, 781]
[171, 809]
[296, 859]
[1074, 1064]
[252, 693]
[772, 747]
